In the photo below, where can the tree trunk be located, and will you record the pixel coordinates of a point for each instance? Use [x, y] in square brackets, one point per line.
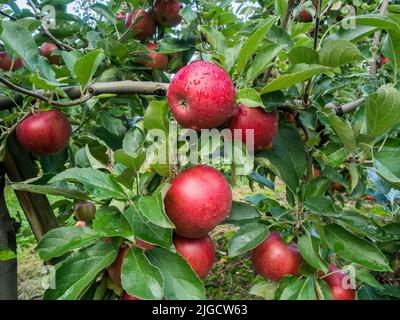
[20, 167]
[8, 268]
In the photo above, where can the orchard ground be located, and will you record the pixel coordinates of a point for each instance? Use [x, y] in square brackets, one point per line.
[230, 278]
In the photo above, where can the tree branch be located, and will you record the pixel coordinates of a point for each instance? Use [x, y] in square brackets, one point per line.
[284, 23]
[46, 32]
[7, 15]
[346, 108]
[117, 87]
[373, 67]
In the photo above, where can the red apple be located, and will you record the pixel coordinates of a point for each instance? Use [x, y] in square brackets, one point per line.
[274, 259]
[337, 186]
[201, 96]
[121, 16]
[338, 284]
[44, 132]
[46, 50]
[142, 22]
[198, 200]
[317, 173]
[384, 60]
[167, 12]
[305, 16]
[6, 63]
[265, 125]
[199, 253]
[85, 211]
[126, 296]
[80, 224]
[114, 271]
[158, 61]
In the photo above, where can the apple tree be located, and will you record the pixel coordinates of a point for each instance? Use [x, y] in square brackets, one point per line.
[95, 93]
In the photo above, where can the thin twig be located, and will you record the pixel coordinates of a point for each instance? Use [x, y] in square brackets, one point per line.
[7, 15]
[46, 32]
[346, 108]
[284, 24]
[373, 67]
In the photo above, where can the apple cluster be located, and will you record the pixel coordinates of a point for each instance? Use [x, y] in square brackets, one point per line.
[143, 24]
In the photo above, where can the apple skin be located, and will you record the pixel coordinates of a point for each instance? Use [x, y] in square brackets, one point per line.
[47, 49]
[305, 16]
[198, 200]
[145, 26]
[80, 224]
[159, 61]
[199, 253]
[265, 125]
[85, 211]
[335, 282]
[6, 62]
[126, 296]
[44, 132]
[201, 96]
[317, 173]
[274, 259]
[115, 270]
[167, 12]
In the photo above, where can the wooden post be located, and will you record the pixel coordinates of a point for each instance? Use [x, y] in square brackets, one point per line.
[20, 167]
[8, 268]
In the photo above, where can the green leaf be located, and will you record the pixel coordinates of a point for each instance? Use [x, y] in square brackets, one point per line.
[288, 157]
[302, 54]
[152, 208]
[86, 66]
[180, 281]
[242, 212]
[59, 241]
[140, 278]
[19, 39]
[249, 97]
[336, 53]
[364, 276]
[264, 289]
[252, 43]
[386, 162]
[110, 222]
[286, 81]
[146, 230]
[374, 20]
[247, 238]
[320, 205]
[133, 140]
[262, 59]
[155, 116]
[7, 254]
[104, 11]
[355, 249]
[79, 270]
[382, 110]
[309, 249]
[98, 183]
[307, 290]
[345, 132]
[69, 193]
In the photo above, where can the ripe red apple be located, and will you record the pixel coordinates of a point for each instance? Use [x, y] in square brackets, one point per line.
[158, 61]
[6, 63]
[274, 259]
[384, 60]
[46, 50]
[317, 173]
[265, 125]
[201, 96]
[199, 253]
[167, 12]
[126, 296]
[114, 271]
[145, 25]
[337, 186]
[85, 211]
[198, 200]
[338, 284]
[80, 224]
[305, 16]
[44, 132]
[121, 16]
